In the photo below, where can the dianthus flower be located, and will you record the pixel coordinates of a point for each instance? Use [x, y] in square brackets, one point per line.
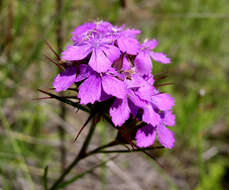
[108, 62]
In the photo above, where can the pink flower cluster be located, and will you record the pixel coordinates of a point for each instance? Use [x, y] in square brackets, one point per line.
[108, 62]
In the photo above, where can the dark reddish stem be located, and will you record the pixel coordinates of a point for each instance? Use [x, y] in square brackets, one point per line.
[53, 61]
[51, 48]
[84, 125]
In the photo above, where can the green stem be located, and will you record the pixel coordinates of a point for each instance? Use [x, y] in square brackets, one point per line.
[99, 149]
[126, 151]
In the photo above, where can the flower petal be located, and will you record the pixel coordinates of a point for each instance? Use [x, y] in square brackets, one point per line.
[130, 32]
[126, 64]
[103, 26]
[74, 53]
[145, 136]
[145, 92]
[149, 78]
[83, 72]
[163, 101]
[136, 81]
[99, 62]
[151, 44]
[160, 57]
[128, 45]
[65, 79]
[133, 109]
[165, 136]
[150, 116]
[114, 86]
[119, 111]
[104, 96]
[90, 90]
[136, 100]
[169, 118]
[112, 52]
[79, 32]
[143, 63]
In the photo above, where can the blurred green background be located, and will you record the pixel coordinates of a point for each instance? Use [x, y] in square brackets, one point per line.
[194, 33]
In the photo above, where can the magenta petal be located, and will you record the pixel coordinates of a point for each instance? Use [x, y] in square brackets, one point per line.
[90, 90]
[149, 78]
[80, 30]
[133, 109]
[116, 74]
[131, 33]
[160, 57]
[119, 111]
[65, 79]
[104, 96]
[128, 45]
[145, 92]
[103, 26]
[135, 82]
[136, 100]
[83, 72]
[151, 44]
[165, 136]
[126, 64]
[163, 101]
[150, 116]
[114, 86]
[99, 62]
[145, 89]
[112, 52]
[74, 53]
[169, 118]
[145, 136]
[143, 63]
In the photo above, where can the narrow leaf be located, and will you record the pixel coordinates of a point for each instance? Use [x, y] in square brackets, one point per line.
[66, 101]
